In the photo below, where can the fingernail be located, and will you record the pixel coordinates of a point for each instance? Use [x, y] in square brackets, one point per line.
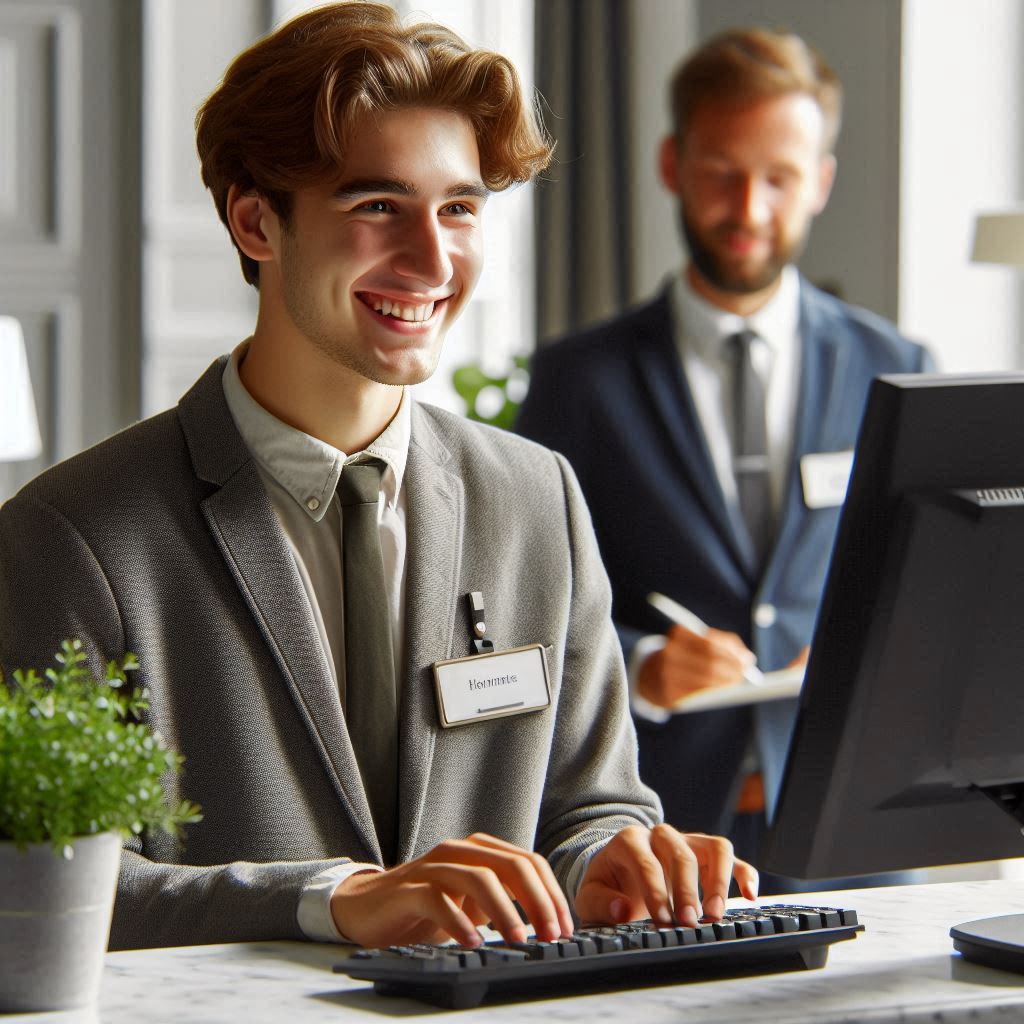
[618, 910]
[689, 917]
[714, 907]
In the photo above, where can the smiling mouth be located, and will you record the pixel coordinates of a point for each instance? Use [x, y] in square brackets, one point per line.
[407, 312]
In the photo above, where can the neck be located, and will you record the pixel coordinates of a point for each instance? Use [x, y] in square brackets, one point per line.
[741, 303]
[311, 392]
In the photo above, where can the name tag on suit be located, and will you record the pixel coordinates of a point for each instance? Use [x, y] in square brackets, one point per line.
[485, 686]
[825, 477]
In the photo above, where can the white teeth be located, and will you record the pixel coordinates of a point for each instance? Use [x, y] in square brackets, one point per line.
[411, 314]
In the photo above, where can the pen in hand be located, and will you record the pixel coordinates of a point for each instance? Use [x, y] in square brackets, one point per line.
[675, 612]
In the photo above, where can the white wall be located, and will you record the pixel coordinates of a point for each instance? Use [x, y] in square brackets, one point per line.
[663, 30]
[960, 144]
[195, 302]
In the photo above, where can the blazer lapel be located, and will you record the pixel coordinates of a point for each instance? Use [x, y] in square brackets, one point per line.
[821, 405]
[246, 530]
[672, 402]
[434, 529]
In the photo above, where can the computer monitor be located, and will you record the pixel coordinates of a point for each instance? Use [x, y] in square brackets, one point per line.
[908, 749]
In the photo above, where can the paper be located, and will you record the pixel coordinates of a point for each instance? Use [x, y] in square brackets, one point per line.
[778, 685]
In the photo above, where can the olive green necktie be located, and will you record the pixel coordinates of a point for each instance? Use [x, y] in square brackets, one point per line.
[371, 706]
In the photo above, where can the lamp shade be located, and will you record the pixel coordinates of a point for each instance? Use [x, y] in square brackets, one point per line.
[19, 428]
[999, 238]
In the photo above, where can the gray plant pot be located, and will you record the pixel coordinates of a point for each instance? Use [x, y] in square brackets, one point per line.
[55, 922]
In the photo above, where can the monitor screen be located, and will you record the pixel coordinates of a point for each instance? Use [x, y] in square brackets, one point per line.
[909, 743]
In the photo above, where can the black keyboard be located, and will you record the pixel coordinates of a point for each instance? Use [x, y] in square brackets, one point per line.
[766, 938]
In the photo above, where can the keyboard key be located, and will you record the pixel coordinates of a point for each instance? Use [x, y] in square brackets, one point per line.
[537, 950]
[497, 956]
[606, 941]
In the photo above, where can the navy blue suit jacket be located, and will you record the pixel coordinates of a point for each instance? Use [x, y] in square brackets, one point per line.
[615, 400]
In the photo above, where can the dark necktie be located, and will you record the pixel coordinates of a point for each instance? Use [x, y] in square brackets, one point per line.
[750, 444]
[371, 707]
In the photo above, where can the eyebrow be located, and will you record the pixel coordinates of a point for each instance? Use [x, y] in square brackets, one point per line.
[348, 191]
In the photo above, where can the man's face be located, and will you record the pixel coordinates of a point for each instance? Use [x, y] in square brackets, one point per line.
[374, 268]
[749, 180]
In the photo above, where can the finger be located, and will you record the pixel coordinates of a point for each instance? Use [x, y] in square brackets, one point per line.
[598, 903]
[533, 884]
[438, 907]
[800, 661]
[747, 878]
[482, 886]
[680, 868]
[640, 873]
[717, 659]
[715, 858]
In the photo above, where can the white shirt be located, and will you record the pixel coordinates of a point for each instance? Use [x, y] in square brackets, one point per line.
[301, 475]
[700, 330]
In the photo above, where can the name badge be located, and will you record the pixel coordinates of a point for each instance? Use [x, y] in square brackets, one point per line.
[485, 686]
[825, 477]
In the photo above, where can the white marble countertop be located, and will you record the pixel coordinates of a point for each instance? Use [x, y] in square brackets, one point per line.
[901, 968]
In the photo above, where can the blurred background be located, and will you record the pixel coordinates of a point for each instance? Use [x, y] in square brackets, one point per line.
[126, 286]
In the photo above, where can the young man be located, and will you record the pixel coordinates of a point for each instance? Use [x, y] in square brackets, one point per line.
[707, 427]
[290, 550]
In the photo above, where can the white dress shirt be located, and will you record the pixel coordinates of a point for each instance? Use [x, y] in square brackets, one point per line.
[301, 474]
[700, 331]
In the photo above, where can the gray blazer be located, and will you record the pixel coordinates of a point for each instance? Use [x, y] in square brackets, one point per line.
[162, 541]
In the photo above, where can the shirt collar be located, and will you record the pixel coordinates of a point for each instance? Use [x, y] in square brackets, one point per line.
[306, 467]
[701, 326]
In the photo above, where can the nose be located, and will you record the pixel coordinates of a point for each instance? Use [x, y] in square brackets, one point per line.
[423, 255]
[752, 200]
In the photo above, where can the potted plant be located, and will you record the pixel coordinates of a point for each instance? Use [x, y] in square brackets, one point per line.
[79, 772]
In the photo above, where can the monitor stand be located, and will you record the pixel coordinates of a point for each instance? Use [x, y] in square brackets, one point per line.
[992, 941]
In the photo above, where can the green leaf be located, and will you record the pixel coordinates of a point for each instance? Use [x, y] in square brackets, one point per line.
[77, 756]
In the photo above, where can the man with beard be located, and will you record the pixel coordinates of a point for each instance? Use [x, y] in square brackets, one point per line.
[711, 429]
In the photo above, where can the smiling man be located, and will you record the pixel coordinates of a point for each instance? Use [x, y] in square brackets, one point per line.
[712, 429]
[307, 562]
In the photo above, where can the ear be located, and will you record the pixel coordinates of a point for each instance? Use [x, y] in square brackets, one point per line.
[668, 163]
[253, 224]
[826, 178]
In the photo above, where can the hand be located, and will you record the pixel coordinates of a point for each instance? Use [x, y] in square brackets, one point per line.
[448, 892]
[656, 872]
[800, 661]
[689, 662]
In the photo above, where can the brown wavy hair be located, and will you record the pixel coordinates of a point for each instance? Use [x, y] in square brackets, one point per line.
[284, 113]
[747, 64]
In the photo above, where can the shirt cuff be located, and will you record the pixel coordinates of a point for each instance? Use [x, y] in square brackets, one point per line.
[643, 708]
[314, 912]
